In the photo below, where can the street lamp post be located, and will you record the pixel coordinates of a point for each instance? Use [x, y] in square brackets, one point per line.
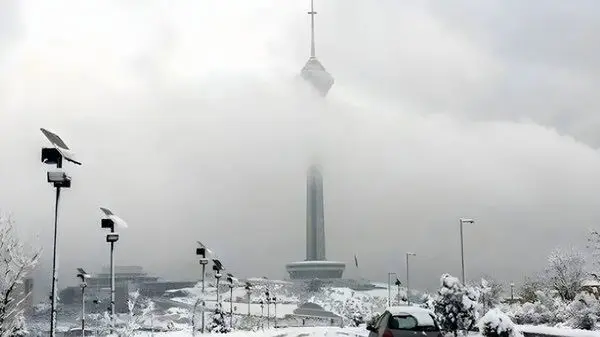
[248, 288]
[82, 276]
[230, 280]
[408, 278]
[398, 284]
[201, 251]
[462, 246]
[54, 156]
[110, 222]
[512, 293]
[390, 288]
[262, 313]
[275, 311]
[217, 268]
[268, 299]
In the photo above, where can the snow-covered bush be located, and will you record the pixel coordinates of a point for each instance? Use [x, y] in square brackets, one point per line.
[218, 323]
[495, 323]
[547, 308]
[16, 261]
[583, 312]
[455, 305]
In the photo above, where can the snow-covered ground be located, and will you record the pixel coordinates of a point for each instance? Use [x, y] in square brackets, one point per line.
[287, 332]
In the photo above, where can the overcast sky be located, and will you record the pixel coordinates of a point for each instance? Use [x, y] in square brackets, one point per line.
[192, 125]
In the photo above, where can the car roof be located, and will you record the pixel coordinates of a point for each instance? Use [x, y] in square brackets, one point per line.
[407, 309]
[423, 316]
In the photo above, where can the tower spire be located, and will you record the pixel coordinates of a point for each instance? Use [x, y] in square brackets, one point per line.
[313, 71]
[312, 14]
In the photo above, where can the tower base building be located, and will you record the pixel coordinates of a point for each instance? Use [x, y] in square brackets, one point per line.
[309, 270]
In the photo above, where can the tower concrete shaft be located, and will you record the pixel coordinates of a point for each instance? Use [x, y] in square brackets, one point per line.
[315, 216]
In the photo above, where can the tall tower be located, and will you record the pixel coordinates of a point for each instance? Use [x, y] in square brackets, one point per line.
[314, 73]
[315, 265]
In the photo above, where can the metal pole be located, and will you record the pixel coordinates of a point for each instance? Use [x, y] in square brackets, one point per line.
[82, 310]
[112, 285]
[203, 307]
[231, 306]
[512, 294]
[268, 311]
[389, 290]
[262, 315]
[203, 273]
[194, 317]
[217, 291]
[54, 264]
[249, 302]
[462, 252]
[203, 296]
[407, 282]
[398, 294]
[275, 317]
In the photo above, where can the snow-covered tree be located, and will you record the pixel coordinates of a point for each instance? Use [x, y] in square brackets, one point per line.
[218, 323]
[565, 272]
[495, 323]
[139, 312]
[427, 301]
[455, 305]
[489, 295]
[16, 261]
[530, 286]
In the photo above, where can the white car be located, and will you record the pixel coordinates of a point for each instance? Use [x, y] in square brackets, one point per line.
[404, 321]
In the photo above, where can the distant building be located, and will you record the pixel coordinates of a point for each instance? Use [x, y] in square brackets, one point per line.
[591, 286]
[127, 278]
[314, 314]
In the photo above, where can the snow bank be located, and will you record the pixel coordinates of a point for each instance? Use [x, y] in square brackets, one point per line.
[546, 330]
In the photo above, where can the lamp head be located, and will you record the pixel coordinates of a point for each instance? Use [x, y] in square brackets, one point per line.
[116, 221]
[50, 157]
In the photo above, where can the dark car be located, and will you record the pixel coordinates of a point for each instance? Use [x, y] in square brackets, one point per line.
[404, 321]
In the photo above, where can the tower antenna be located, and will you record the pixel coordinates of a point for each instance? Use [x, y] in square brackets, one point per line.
[312, 14]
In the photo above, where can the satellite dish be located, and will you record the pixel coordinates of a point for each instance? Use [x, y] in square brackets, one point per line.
[118, 221]
[60, 145]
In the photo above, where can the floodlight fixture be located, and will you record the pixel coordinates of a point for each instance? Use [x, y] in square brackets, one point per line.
[59, 179]
[112, 237]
